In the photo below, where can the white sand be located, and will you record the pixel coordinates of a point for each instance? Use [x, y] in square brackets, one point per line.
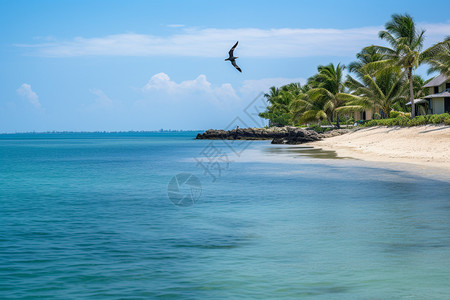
[423, 145]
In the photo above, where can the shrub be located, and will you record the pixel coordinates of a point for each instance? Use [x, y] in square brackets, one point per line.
[350, 121]
[394, 114]
[371, 123]
[403, 121]
[319, 129]
[376, 116]
[437, 119]
[419, 120]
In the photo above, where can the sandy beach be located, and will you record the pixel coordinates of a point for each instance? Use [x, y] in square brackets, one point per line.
[423, 145]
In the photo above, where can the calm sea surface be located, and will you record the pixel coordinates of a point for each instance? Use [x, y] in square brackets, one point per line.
[87, 216]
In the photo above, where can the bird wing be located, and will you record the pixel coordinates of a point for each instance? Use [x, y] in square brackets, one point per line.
[230, 53]
[236, 66]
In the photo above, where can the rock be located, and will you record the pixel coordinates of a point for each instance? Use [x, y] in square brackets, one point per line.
[278, 141]
[278, 135]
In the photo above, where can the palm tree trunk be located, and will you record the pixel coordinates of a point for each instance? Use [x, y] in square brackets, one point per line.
[411, 93]
[337, 121]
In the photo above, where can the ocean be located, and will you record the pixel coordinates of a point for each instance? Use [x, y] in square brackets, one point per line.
[164, 216]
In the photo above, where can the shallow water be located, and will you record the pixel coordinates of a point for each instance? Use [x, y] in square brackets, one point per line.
[88, 216]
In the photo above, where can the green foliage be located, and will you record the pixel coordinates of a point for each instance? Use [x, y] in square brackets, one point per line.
[437, 119]
[406, 43]
[383, 77]
[394, 114]
[438, 57]
[405, 121]
[376, 116]
[278, 110]
[417, 121]
[350, 121]
[319, 129]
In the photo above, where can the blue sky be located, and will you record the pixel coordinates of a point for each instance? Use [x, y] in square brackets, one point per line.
[145, 65]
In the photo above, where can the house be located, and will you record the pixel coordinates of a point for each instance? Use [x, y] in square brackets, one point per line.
[438, 100]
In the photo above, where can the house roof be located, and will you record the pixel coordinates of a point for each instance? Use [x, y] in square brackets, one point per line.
[437, 81]
[417, 101]
[445, 93]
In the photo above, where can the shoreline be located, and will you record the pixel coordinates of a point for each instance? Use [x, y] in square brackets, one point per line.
[426, 146]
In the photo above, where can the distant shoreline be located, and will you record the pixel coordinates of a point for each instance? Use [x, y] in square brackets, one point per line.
[106, 132]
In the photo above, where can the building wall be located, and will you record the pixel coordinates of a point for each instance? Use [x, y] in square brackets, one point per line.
[441, 88]
[438, 106]
[369, 114]
[358, 115]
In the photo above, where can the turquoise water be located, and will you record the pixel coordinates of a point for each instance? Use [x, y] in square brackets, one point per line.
[87, 216]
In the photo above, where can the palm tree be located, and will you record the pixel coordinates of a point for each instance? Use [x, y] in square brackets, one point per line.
[278, 111]
[406, 46]
[439, 57]
[383, 91]
[307, 110]
[418, 89]
[328, 90]
[361, 67]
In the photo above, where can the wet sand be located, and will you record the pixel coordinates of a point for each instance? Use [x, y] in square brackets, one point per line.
[428, 146]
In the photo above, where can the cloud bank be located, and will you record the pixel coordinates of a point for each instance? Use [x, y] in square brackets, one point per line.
[213, 42]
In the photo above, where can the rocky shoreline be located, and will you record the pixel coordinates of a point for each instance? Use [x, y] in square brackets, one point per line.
[278, 135]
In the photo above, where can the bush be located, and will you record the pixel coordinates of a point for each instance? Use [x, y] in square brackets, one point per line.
[371, 123]
[394, 114]
[403, 121]
[350, 121]
[437, 119]
[376, 116]
[319, 129]
[419, 120]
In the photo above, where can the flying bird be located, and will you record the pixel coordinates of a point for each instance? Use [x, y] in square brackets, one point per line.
[232, 59]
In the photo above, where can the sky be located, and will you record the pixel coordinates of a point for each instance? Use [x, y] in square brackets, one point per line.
[146, 65]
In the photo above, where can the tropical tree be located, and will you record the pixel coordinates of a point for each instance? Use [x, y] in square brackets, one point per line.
[418, 89]
[307, 110]
[363, 65]
[278, 111]
[383, 91]
[328, 92]
[438, 58]
[406, 48]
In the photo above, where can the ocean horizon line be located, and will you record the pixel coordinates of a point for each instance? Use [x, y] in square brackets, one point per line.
[103, 131]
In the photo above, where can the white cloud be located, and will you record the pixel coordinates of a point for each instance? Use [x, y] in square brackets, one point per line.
[212, 42]
[101, 100]
[199, 102]
[175, 25]
[25, 91]
[435, 30]
[200, 86]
